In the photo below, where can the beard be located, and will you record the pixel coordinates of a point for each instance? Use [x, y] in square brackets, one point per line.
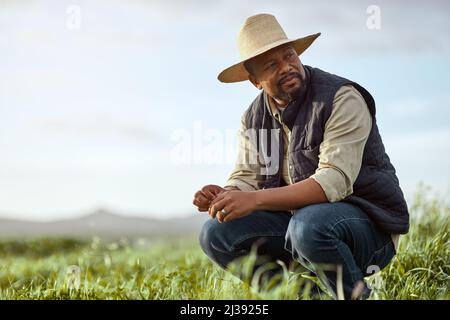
[290, 93]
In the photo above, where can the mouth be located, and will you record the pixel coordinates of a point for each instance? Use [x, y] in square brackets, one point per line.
[290, 81]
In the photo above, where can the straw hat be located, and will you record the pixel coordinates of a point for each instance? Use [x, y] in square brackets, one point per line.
[259, 34]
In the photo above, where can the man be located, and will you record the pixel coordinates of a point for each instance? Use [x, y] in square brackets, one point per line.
[323, 191]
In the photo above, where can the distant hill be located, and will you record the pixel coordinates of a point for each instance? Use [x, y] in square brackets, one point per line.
[104, 224]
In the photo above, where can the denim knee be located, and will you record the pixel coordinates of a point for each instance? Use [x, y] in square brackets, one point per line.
[217, 241]
[307, 232]
[207, 234]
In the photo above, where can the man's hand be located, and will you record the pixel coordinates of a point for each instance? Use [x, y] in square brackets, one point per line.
[203, 197]
[235, 204]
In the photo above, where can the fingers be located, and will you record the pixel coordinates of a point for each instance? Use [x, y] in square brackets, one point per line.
[201, 201]
[225, 215]
[219, 197]
[229, 216]
[211, 191]
[216, 190]
[212, 213]
[208, 192]
[199, 195]
[217, 207]
[220, 216]
[206, 197]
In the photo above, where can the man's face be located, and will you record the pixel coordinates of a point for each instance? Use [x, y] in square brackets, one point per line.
[279, 72]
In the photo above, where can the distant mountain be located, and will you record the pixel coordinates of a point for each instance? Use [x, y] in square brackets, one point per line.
[104, 224]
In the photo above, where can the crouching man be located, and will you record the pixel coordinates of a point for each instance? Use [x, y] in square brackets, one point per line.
[322, 190]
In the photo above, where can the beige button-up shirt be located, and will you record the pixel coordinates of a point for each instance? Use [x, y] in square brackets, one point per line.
[341, 151]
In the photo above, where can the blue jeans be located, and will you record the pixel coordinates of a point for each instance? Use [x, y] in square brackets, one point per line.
[328, 233]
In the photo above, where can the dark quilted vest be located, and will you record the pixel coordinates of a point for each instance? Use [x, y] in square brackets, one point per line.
[376, 189]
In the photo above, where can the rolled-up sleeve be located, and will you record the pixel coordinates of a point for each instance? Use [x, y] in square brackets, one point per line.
[341, 151]
[247, 171]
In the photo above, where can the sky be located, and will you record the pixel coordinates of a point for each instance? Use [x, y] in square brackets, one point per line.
[115, 104]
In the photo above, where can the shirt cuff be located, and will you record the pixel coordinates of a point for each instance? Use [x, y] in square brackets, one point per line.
[332, 183]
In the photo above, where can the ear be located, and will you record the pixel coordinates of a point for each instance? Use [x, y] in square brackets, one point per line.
[254, 81]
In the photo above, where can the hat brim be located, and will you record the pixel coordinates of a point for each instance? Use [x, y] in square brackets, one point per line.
[237, 72]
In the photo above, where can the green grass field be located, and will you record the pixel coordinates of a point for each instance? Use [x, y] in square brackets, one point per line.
[178, 269]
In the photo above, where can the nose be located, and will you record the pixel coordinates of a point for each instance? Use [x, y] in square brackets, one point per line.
[285, 67]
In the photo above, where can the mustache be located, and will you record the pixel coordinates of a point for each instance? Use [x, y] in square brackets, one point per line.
[289, 75]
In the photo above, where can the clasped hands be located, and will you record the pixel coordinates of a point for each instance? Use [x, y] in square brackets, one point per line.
[225, 205]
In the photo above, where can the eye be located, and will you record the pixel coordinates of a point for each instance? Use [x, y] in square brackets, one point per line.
[270, 66]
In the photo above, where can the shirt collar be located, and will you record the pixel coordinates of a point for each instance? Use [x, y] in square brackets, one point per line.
[271, 106]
